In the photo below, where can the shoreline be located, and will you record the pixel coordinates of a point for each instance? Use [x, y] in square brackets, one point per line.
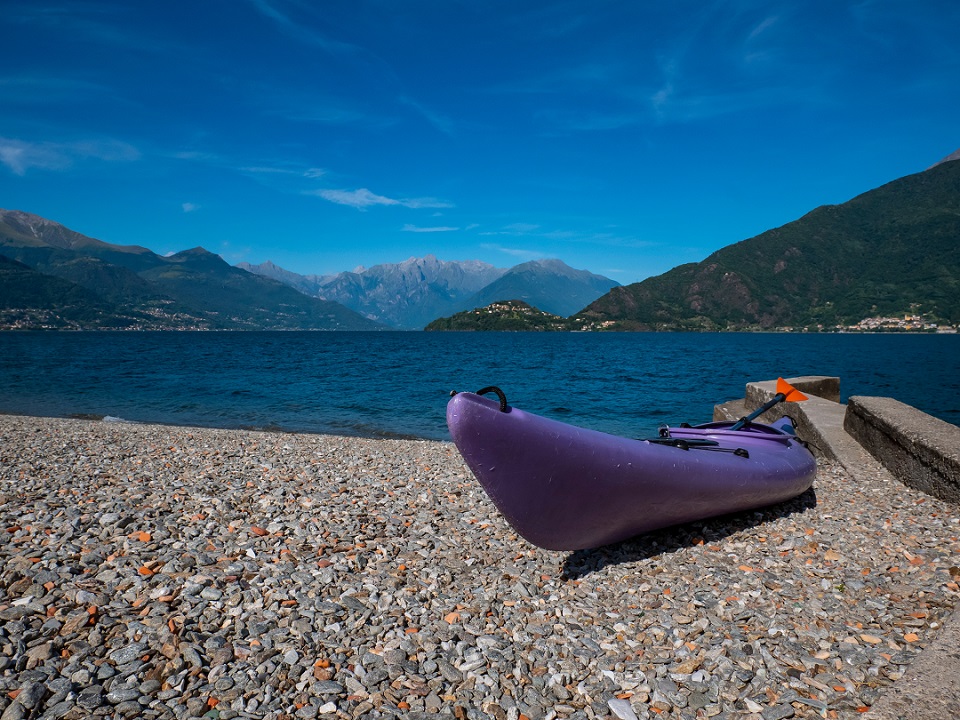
[162, 571]
[757, 331]
[279, 430]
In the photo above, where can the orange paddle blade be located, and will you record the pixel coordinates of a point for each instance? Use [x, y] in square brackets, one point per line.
[789, 392]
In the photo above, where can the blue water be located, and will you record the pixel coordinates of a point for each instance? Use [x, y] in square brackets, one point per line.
[397, 384]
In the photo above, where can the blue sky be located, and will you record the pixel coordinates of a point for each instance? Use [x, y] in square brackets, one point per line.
[622, 137]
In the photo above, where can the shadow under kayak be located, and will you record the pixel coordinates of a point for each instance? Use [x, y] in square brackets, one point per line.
[568, 488]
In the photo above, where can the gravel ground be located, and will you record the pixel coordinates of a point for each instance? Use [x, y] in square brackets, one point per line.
[159, 572]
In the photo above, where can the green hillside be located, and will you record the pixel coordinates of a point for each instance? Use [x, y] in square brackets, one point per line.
[504, 315]
[198, 278]
[30, 299]
[55, 277]
[892, 250]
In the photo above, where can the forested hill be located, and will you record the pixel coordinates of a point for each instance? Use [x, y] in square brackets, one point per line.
[892, 250]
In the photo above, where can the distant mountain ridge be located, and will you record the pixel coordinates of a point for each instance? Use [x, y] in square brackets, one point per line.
[412, 293]
[551, 286]
[307, 284]
[405, 295]
[63, 279]
[955, 155]
[891, 250]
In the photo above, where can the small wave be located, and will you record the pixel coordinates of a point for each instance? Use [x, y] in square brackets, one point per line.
[96, 417]
[85, 416]
[267, 427]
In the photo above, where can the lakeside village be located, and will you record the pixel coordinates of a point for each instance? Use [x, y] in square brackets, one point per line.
[907, 323]
[904, 324]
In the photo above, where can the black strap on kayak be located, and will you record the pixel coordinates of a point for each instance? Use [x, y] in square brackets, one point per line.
[696, 444]
[498, 392]
[491, 389]
[682, 443]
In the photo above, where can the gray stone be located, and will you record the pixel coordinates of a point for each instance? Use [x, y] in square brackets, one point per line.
[58, 710]
[15, 711]
[778, 712]
[90, 697]
[128, 653]
[191, 656]
[149, 687]
[31, 694]
[122, 694]
[622, 709]
[129, 708]
[211, 593]
[327, 687]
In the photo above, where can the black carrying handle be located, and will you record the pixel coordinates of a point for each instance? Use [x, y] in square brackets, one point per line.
[491, 389]
[496, 391]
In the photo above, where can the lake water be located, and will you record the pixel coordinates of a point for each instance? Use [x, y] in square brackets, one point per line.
[397, 384]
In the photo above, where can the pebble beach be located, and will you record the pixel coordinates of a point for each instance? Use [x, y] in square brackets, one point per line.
[165, 572]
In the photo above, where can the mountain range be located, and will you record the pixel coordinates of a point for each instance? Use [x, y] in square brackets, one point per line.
[405, 295]
[57, 278]
[410, 294]
[889, 251]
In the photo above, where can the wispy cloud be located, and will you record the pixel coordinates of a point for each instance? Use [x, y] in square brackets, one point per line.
[300, 31]
[47, 90]
[258, 167]
[514, 252]
[413, 228]
[514, 229]
[732, 57]
[22, 155]
[762, 27]
[269, 171]
[425, 202]
[440, 122]
[739, 57]
[538, 235]
[96, 25]
[311, 173]
[325, 113]
[363, 198]
[312, 106]
[19, 156]
[189, 207]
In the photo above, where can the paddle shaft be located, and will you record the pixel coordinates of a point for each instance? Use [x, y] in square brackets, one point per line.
[776, 400]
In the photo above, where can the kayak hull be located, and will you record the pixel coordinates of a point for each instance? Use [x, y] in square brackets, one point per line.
[562, 487]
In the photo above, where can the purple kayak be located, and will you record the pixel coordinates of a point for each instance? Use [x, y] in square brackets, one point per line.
[568, 488]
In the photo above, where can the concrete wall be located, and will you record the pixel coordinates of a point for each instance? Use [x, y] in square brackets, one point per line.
[920, 450]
